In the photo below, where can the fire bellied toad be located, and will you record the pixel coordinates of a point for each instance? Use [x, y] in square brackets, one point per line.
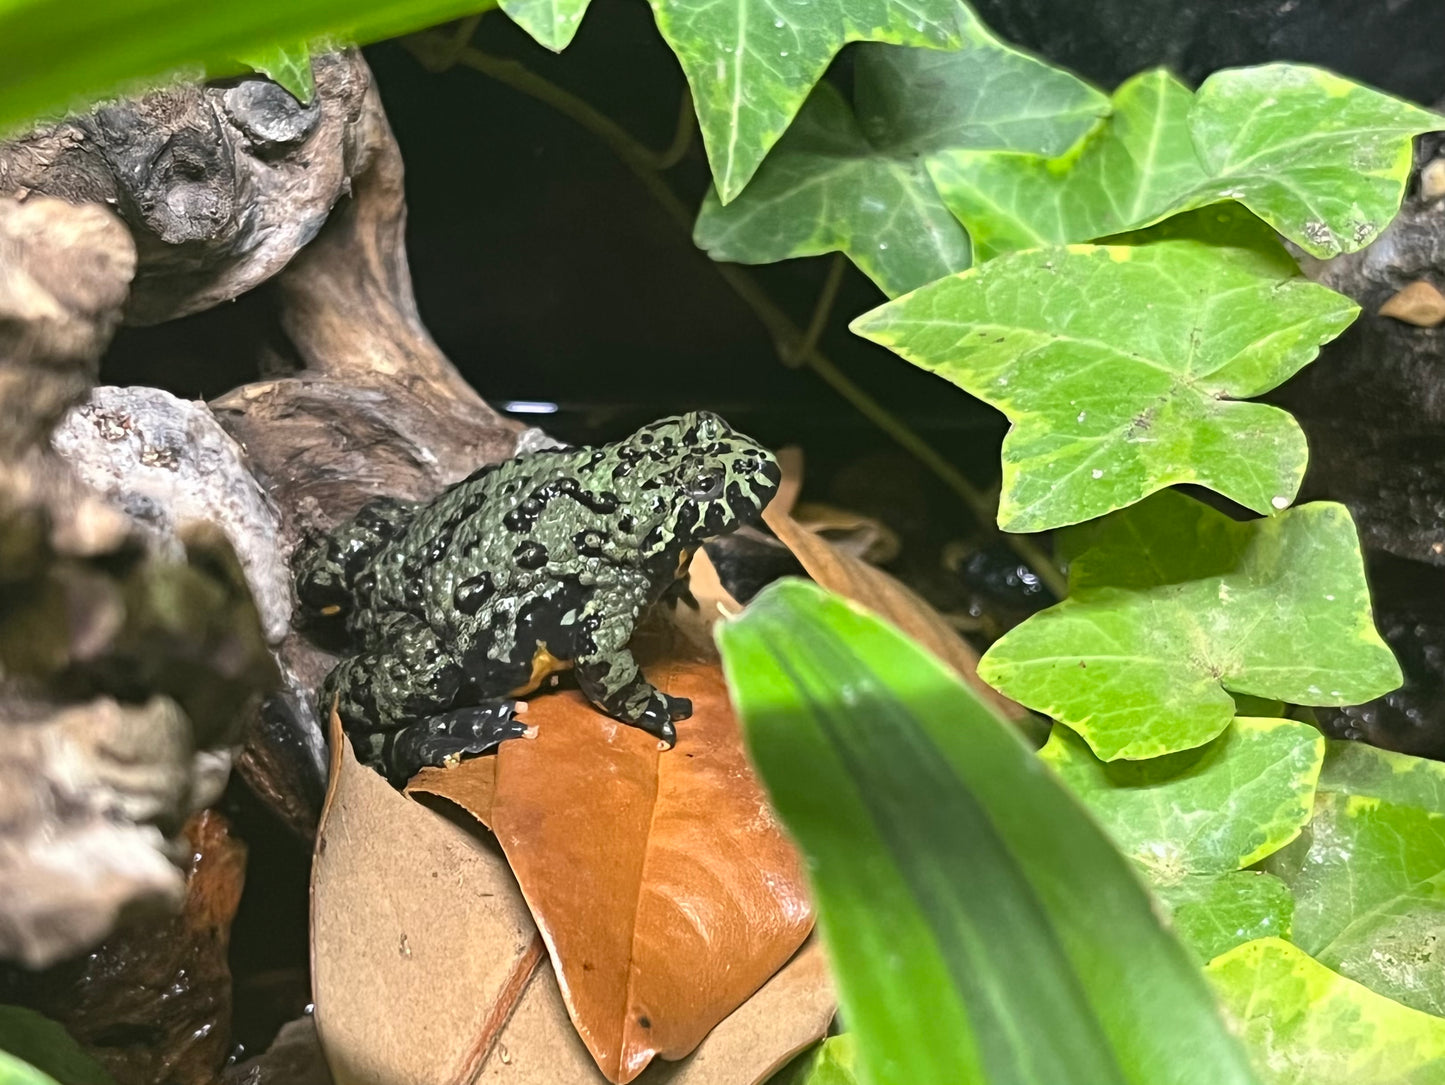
[459, 604]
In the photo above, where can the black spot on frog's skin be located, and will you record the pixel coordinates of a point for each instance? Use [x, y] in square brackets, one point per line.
[472, 593]
[589, 543]
[521, 518]
[447, 601]
[530, 555]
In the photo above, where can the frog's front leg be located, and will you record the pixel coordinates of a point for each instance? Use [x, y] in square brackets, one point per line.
[397, 703]
[607, 672]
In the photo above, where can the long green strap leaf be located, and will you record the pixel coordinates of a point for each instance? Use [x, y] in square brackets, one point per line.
[982, 928]
[59, 54]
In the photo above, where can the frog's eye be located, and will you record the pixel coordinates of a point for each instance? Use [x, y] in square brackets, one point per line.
[705, 485]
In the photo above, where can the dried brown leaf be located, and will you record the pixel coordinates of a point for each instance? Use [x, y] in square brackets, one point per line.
[664, 886]
[790, 461]
[1420, 303]
[888, 598]
[539, 1046]
[420, 941]
[472, 785]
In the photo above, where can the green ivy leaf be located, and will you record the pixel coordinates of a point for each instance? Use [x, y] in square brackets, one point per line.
[1213, 913]
[980, 928]
[859, 184]
[1122, 369]
[44, 1045]
[1353, 768]
[286, 65]
[1306, 1025]
[833, 1062]
[824, 189]
[751, 63]
[553, 23]
[1369, 885]
[1320, 158]
[1212, 809]
[1171, 603]
[1134, 165]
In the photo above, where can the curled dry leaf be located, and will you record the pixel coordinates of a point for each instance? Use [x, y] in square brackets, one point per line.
[889, 599]
[863, 537]
[539, 1046]
[663, 885]
[420, 942]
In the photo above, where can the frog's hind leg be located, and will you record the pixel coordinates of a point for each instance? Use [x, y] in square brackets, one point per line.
[449, 736]
[397, 703]
[327, 566]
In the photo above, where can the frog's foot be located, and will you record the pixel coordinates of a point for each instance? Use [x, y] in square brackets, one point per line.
[448, 737]
[657, 716]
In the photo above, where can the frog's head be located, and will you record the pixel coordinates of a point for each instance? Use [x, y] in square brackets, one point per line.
[699, 475]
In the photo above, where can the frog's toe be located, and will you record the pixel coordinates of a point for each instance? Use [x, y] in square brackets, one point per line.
[657, 718]
[449, 736]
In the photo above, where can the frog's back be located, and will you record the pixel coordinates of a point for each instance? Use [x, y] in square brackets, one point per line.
[469, 546]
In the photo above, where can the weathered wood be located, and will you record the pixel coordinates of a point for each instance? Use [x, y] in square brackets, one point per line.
[125, 671]
[220, 185]
[223, 187]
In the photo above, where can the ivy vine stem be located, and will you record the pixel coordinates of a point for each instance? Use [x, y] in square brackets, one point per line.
[440, 50]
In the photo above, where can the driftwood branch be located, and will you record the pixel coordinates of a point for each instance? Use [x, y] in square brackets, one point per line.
[125, 669]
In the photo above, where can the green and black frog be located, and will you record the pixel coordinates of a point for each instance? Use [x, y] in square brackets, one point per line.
[458, 605]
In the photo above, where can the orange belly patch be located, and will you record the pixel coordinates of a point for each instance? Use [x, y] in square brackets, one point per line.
[543, 664]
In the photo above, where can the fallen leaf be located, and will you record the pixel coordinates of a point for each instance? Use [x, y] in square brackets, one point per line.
[472, 785]
[790, 462]
[1420, 303]
[539, 1046]
[889, 599]
[420, 941]
[665, 889]
[863, 537]
[791, 1011]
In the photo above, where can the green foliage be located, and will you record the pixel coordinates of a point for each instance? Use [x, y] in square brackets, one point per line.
[833, 1062]
[1310, 1026]
[35, 1050]
[980, 929]
[1209, 810]
[15, 1072]
[1352, 768]
[1139, 162]
[1319, 158]
[1171, 603]
[1213, 913]
[551, 22]
[1122, 368]
[1368, 879]
[855, 178]
[289, 66]
[751, 63]
[57, 55]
